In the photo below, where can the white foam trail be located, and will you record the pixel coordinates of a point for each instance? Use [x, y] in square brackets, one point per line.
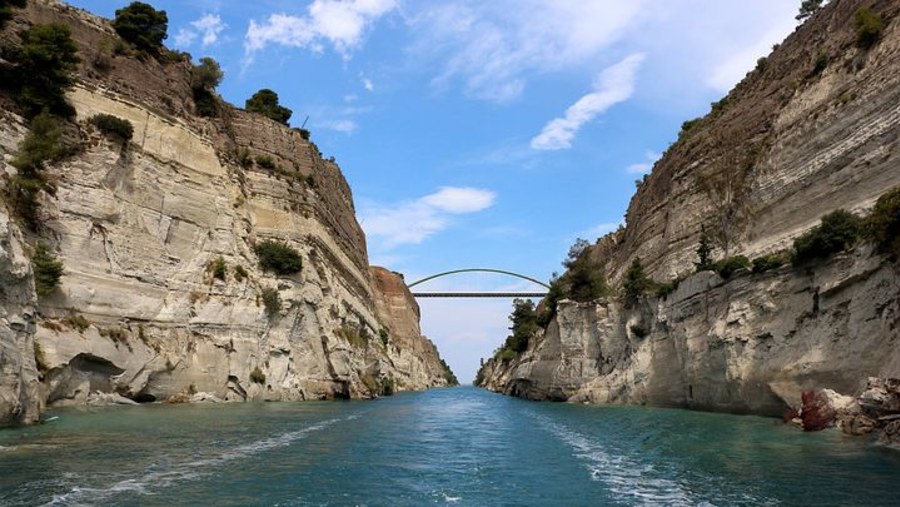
[637, 483]
[186, 471]
[630, 480]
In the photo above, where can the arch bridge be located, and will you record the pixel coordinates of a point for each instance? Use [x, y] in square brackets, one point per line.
[481, 294]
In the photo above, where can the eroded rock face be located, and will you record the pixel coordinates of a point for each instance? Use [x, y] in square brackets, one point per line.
[19, 400]
[752, 344]
[810, 140]
[138, 225]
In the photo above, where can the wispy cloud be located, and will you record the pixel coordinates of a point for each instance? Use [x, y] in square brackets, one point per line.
[345, 126]
[493, 48]
[368, 84]
[646, 166]
[612, 86]
[341, 23]
[412, 222]
[208, 28]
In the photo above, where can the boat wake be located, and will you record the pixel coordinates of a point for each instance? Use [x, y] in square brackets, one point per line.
[185, 471]
[630, 480]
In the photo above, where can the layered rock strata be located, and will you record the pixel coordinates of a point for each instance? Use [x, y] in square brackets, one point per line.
[139, 227]
[815, 127]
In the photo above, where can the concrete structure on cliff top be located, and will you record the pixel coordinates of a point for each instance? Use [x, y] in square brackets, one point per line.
[815, 128]
[137, 226]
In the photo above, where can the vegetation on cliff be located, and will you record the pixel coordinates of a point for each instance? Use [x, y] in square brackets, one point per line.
[205, 78]
[265, 102]
[278, 257]
[47, 270]
[143, 26]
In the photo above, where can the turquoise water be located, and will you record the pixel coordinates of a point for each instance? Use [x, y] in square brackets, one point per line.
[459, 447]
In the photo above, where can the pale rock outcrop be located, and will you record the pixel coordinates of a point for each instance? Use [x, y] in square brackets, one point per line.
[752, 344]
[19, 400]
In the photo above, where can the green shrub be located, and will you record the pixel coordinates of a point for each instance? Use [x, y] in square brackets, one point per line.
[78, 322]
[257, 376]
[218, 268]
[271, 301]
[689, 125]
[304, 133]
[506, 355]
[46, 60]
[868, 27]
[449, 376]
[664, 289]
[278, 257]
[205, 77]
[883, 224]
[265, 102]
[240, 273]
[384, 335]
[244, 158]
[726, 267]
[704, 253]
[47, 270]
[42, 144]
[636, 283]
[808, 8]
[584, 279]
[113, 126]
[143, 26]
[266, 162]
[524, 325]
[769, 262]
[821, 63]
[838, 231]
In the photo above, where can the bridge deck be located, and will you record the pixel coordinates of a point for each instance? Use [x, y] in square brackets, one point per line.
[479, 294]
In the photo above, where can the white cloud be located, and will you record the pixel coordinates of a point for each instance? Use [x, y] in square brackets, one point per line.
[460, 199]
[412, 222]
[646, 166]
[612, 86]
[345, 126]
[342, 23]
[368, 84]
[209, 27]
[493, 47]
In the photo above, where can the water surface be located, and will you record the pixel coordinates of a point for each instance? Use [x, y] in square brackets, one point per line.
[460, 446]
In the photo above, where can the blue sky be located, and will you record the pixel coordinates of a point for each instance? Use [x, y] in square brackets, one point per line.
[482, 133]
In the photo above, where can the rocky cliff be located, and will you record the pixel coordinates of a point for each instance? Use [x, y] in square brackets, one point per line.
[815, 127]
[139, 226]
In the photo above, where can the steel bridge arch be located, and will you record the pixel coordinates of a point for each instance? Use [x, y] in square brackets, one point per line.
[479, 270]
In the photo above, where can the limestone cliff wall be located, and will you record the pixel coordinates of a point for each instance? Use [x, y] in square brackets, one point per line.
[19, 399]
[791, 143]
[138, 311]
[752, 344]
[813, 142]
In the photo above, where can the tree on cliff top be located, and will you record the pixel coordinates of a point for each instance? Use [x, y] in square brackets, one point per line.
[265, 102]
[808, 8]
[204, 80]
[142, 25]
